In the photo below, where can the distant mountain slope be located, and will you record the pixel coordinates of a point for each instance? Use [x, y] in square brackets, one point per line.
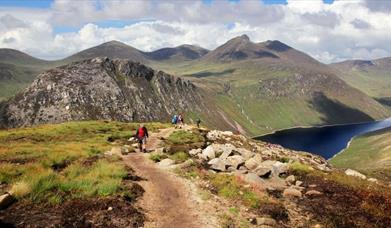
[371, 76]
[17, 70]
[369, 153]
[280, 89]
[183, 52]
[107, 89]
[112, 49]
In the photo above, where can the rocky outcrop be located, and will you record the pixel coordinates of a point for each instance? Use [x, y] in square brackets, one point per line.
[101, 88]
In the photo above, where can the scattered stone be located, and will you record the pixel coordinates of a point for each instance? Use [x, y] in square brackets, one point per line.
[186, 164]
[124, 150]
[264, 169]
[374, 180]
[266, 221]
[110, 209]
[244, 153]
[290, 179]
[235, 161]
[6, 200]
[279, 168]
[291, 193]
[208, 153]
[226, 150]
[253, 178]
[298, 183]
[323, 167]
[312, 186]
[195, 152]
[354, 173]
[217, 164]
[165, 163]
[253, 162]
[313, 193]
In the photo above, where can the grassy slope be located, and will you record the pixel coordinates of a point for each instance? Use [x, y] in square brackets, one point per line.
[60, 162]
[369, 153]
[256, 113]
[374, 83]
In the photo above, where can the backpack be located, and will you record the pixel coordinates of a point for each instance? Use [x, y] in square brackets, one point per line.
[140, 133]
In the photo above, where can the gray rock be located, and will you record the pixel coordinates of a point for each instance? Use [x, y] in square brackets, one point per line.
[246, 154]
[291, 193]
[209, 153]
[265, 168]
[235, 161]
[298, 183]
[165, 163]
[116, 150]
[217, 164]
[226, 150]
[6, 200]
[290, 179]
[195, 152]
[374, 180]
[124, 150]
[279, 168]
[253, 162]
[266, 221]
[354, 173]
[253, 178]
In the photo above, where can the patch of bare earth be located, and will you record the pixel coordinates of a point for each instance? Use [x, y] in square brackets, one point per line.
[169, 200]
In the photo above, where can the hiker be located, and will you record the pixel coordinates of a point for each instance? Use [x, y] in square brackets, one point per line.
[198, 122]
[174, 119]
[141, 136]
[180, 120]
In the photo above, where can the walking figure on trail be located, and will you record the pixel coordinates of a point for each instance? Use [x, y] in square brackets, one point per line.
[174, 119]
[141, 136]
[180, 120]
[198, 122]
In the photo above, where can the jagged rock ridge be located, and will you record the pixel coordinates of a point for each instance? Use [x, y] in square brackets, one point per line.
[101, 88]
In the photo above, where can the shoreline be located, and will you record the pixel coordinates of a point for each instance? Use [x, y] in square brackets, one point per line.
[327, 125]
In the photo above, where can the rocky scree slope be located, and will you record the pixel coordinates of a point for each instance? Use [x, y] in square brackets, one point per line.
[101, 88]
[270, 186]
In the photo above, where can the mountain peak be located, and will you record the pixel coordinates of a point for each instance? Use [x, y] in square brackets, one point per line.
[277, 45]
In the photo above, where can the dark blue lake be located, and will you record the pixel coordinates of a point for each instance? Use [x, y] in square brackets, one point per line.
[324, 141]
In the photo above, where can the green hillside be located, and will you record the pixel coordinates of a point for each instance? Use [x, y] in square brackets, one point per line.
[265, 95]
[369, 153]
[372, 77]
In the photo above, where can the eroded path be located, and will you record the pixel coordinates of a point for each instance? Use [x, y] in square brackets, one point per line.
[168, 201]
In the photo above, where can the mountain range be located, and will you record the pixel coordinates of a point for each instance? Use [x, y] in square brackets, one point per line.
[253, 87]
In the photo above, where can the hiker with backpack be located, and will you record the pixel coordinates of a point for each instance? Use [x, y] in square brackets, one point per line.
[141, 136]
[198, 122]
[174, 119]
[180, 120]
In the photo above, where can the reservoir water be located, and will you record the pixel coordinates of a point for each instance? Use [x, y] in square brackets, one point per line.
[325, 141]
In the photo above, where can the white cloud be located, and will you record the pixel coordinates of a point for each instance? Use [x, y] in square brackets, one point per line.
[329, 32]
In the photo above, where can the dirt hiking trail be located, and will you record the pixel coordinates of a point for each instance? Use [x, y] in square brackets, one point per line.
[169, 201]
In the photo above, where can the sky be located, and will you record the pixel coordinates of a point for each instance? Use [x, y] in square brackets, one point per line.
[328, 30]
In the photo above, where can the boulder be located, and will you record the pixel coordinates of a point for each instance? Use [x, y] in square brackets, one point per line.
[116, 150]
[291, 193]
[298, 183]
[290, 179]
[264, 169]
[214, 134]
[217, 164]
[244, 153]
[6, 200]
[208, 153]
[253, 162]
[235, 161]
[253, 178]
[226, 150]
[160, 150]
[166, 163]
[313, 193]
[266, 221]
[279, 168]
[354, 173]
[195, 152]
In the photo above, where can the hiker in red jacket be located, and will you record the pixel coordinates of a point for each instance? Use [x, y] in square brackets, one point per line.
[141, 136]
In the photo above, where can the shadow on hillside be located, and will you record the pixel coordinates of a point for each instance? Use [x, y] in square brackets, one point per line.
[203, 74]
[386, 101]
[335, 112]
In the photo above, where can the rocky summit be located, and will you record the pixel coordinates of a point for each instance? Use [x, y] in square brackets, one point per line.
[101, 88]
